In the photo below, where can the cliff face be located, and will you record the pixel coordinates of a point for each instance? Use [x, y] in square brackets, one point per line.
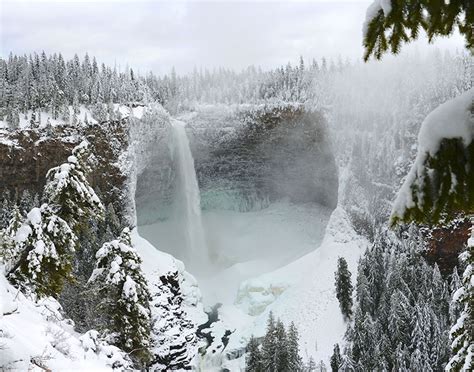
[27, 155]
[445, 243]
[245, 157]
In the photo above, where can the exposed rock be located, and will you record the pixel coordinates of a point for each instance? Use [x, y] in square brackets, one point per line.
[445, 243]
[27, 155]
[245, 157]
[173, 332]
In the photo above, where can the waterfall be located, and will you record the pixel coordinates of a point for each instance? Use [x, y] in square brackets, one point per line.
[188, 201]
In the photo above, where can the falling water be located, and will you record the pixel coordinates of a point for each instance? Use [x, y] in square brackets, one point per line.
[188, 200]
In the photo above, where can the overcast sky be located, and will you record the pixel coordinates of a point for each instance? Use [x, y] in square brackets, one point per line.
[156, 35]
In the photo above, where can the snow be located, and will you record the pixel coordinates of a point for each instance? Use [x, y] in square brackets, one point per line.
[23, 233]
[156, 263]
[37, 332]
[304, 292]
[450, 120]
[130, 289]
[133, 112]
[34, 216]
[246, 244]
[84, 117]
[301, 291]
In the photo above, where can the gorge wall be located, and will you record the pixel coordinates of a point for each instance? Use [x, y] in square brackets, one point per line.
[245, 158]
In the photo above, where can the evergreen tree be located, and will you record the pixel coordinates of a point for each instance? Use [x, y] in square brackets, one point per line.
[344, 288]
[347, 364]
[253, 361]
[9, 250]
[390, 26]
[321, 367]
[461, 334]
[455, 307]
[311, 365]
[281, 351]
[45, 244]
[5, 212]
[295, 362]
[269, 345]
[336, 360]
[68, 190]
[124, 297]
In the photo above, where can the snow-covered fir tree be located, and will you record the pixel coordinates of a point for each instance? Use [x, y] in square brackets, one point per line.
[336, 360]
[124, 297]
[461, 334]
[344, 288]
[279, 350]
[253, 359]
[68, 190]
[406, 309]
[45, 245]
[269, 345]
[295, 362]
[8, 246]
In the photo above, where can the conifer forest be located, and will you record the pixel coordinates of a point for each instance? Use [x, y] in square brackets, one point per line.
[225, 186]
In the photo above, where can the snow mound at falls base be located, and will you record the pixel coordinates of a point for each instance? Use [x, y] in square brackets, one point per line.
[301, 292]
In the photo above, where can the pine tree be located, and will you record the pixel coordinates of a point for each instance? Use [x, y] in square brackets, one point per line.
[45, 244]
[400, 23]
[336, 360]
[281, 350]
[311, 365]
[68, 190]
[295, 362]
[455, 307]
[26, 202]
[9, 250]
[461, 334]
[347, 364]
[321, 367]
[344, 288]
[269, 345]
[125, 297]
[253, 360]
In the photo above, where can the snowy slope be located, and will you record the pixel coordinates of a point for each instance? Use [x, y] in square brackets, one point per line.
[35, 334]
[156, 263]
[38, 333]
[302, 292]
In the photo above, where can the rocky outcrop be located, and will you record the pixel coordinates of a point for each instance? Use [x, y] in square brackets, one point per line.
[445, 243]
[27, 155]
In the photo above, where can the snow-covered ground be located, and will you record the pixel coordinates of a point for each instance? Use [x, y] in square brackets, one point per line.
[279, 259]
[84, 116]
[33, 335]
[302, 292]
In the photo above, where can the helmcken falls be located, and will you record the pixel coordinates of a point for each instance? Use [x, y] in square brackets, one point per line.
[239, 186]
[188, 201]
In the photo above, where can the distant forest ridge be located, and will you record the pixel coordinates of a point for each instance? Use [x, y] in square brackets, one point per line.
[51, 83]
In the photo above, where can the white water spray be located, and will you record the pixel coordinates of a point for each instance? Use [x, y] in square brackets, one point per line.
[188, 200]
